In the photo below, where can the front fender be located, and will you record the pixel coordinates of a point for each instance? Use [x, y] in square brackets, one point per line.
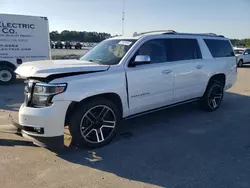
[83, 86]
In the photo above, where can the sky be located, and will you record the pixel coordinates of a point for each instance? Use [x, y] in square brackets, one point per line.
[227, 17]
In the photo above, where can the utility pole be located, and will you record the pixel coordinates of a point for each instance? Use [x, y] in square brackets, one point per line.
[123, 16]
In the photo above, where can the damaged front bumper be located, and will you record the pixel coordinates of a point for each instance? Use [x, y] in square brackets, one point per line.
[43, 126]
[55, 142]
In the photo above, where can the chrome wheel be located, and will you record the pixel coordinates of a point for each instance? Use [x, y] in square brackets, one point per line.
[97, 124]
[5, 76]
[215, 96]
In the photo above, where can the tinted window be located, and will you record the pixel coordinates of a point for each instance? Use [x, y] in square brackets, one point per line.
[182, 49]
[219, 48]
[247, 52]
[155, 49]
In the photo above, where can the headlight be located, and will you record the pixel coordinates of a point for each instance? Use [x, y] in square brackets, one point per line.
[43, 93]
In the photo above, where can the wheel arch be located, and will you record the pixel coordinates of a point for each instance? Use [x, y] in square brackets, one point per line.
[7, 64]
[114, 97]
[219, 76]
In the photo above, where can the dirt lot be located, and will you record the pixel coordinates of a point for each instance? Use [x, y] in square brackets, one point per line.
[62, 53]
[68, 51]
[182, 147]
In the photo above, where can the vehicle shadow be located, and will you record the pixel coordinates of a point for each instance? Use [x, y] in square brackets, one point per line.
[177, 147]
[13, 143]
[245, 66]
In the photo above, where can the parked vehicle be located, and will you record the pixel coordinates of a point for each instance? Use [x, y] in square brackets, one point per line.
[68, 45]
[19, 39]
[243, 56]
[121, 78]
[52, 44]
[59, 45]
[78, 45]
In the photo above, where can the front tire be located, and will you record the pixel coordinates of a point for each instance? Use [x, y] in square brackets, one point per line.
[94, 123]
[213, 96]
[7, 75]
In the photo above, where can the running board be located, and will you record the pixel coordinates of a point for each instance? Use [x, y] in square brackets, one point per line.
[161, 108]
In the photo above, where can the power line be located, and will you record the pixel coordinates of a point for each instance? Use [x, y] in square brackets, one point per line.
[123, 16]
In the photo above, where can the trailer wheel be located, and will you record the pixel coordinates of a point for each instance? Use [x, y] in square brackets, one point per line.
[7, 75]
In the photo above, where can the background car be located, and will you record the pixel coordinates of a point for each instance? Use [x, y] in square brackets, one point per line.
[52, 44]
[78, 45]
[243, 56]
[59, 45]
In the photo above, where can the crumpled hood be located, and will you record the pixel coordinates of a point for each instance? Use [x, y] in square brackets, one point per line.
[49, 67]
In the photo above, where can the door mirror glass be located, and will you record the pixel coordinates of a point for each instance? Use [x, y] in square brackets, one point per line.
[142, 59]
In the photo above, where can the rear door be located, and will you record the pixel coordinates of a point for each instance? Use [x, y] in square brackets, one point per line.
[24, 38]
[184, 54]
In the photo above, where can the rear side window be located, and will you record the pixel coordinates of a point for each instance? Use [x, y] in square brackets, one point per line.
[182, 49]
[219, 48]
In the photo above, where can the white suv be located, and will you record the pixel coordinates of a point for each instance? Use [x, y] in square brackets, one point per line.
[120, 78]
[243, 56]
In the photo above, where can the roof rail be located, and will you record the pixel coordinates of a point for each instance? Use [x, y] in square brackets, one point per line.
[202, 34]
[174, 32]
[214, 34]
[208, 34]
[155, 31]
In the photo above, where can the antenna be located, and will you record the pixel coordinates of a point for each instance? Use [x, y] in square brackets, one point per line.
[123, 16]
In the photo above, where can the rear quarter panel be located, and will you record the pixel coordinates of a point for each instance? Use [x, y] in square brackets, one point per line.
[213, 66]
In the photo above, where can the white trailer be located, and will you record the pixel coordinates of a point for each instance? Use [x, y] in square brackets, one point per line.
[22, 39]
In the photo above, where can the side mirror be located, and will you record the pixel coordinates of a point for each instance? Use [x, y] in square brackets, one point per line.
[246, 53]
[141, 59]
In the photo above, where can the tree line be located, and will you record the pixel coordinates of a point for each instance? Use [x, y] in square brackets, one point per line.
[84, 36]
[241, 43]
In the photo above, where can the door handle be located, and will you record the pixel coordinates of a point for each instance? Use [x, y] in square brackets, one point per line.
[199, 66]
[166, 71]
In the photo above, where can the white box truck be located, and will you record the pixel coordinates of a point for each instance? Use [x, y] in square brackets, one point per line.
[22, 39]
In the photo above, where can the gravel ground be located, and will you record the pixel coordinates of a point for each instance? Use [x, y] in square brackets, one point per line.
[182, 147]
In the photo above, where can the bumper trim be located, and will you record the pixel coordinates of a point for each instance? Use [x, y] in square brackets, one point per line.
[56, 142]
[53, 143]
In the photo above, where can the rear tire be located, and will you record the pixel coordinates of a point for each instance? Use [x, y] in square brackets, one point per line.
[213, 96]
[7, 75]
[240, 63]
[94, 123]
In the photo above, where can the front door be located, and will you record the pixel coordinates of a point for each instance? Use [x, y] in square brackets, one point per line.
[150, 86]
[246, 56]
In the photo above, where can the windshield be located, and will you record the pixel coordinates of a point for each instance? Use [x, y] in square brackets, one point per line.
[109, 52]
[238, 51]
